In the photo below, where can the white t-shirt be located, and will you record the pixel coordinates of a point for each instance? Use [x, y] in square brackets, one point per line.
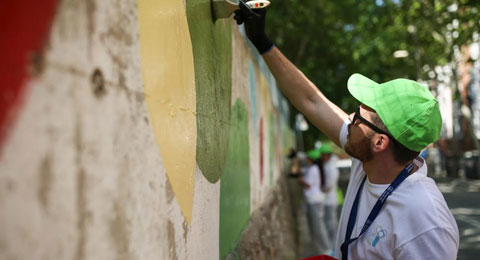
[331, 181]
[414, 223]
[312, 177]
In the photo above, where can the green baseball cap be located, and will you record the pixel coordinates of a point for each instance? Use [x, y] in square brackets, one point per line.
[408, 109]
[325, 149]
[314, 154]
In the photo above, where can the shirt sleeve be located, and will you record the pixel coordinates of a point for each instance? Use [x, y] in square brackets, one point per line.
[436, 243]
[342, 138]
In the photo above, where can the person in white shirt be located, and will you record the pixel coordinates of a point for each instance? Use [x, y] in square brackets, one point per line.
[315, 199]
[392, 210]
[330, 188]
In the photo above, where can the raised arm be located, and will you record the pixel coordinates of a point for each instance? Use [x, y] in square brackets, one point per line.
[301, 92]
[304, 95]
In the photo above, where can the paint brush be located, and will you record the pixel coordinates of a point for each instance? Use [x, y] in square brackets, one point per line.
[225, 8]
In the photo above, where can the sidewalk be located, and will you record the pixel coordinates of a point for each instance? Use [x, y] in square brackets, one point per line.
[463, 196]
[463, 199]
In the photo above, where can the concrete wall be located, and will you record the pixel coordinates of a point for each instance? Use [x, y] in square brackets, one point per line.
[138, 130]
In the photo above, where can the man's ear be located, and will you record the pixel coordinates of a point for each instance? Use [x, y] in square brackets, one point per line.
[380, 143]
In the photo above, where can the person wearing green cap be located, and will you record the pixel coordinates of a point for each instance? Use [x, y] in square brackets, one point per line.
[314, 200]
[392, 210]
[330, 188]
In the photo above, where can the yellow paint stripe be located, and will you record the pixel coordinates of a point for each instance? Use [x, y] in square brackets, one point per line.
[169, 83]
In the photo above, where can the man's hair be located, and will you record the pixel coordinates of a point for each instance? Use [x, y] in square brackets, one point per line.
[401, 153]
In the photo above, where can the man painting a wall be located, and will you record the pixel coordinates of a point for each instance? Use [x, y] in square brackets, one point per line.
[392, 209]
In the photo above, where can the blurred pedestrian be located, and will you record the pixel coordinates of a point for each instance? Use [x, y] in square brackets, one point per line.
[315, 199]
[330, 188]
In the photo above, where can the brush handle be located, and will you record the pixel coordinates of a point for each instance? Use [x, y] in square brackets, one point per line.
[256, 4]
[225, 8]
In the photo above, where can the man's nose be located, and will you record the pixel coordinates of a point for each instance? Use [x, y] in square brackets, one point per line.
[350, 117]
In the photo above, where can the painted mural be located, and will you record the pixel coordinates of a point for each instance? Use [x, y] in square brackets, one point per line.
[141, 129]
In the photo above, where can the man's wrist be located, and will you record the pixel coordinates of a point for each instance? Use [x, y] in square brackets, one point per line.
[264, 45]
[268, 49]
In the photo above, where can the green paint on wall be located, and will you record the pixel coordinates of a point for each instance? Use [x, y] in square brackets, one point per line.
[212, 53]
[235, 182]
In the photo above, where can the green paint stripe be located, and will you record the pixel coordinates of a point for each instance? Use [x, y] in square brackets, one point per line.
[212, 53]
[235, 182]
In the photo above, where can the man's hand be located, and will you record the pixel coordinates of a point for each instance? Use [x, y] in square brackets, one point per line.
[304, 184]
[300, 91]
[254, 26]
[326, 190]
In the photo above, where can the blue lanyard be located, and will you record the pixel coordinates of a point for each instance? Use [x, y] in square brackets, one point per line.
[376, 209]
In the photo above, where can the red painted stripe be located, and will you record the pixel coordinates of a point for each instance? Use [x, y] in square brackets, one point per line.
[24, 27]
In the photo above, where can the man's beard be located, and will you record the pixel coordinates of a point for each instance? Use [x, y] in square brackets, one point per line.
[360, 150]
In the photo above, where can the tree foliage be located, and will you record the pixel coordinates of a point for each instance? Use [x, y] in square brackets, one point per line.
[330, 40]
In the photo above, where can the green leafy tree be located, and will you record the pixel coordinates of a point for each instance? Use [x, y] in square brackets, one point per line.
[330, 40]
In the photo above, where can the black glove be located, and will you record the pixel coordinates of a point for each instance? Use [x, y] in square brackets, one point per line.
[254, 26]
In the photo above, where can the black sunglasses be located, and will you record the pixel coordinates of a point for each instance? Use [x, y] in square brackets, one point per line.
[369, 124]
